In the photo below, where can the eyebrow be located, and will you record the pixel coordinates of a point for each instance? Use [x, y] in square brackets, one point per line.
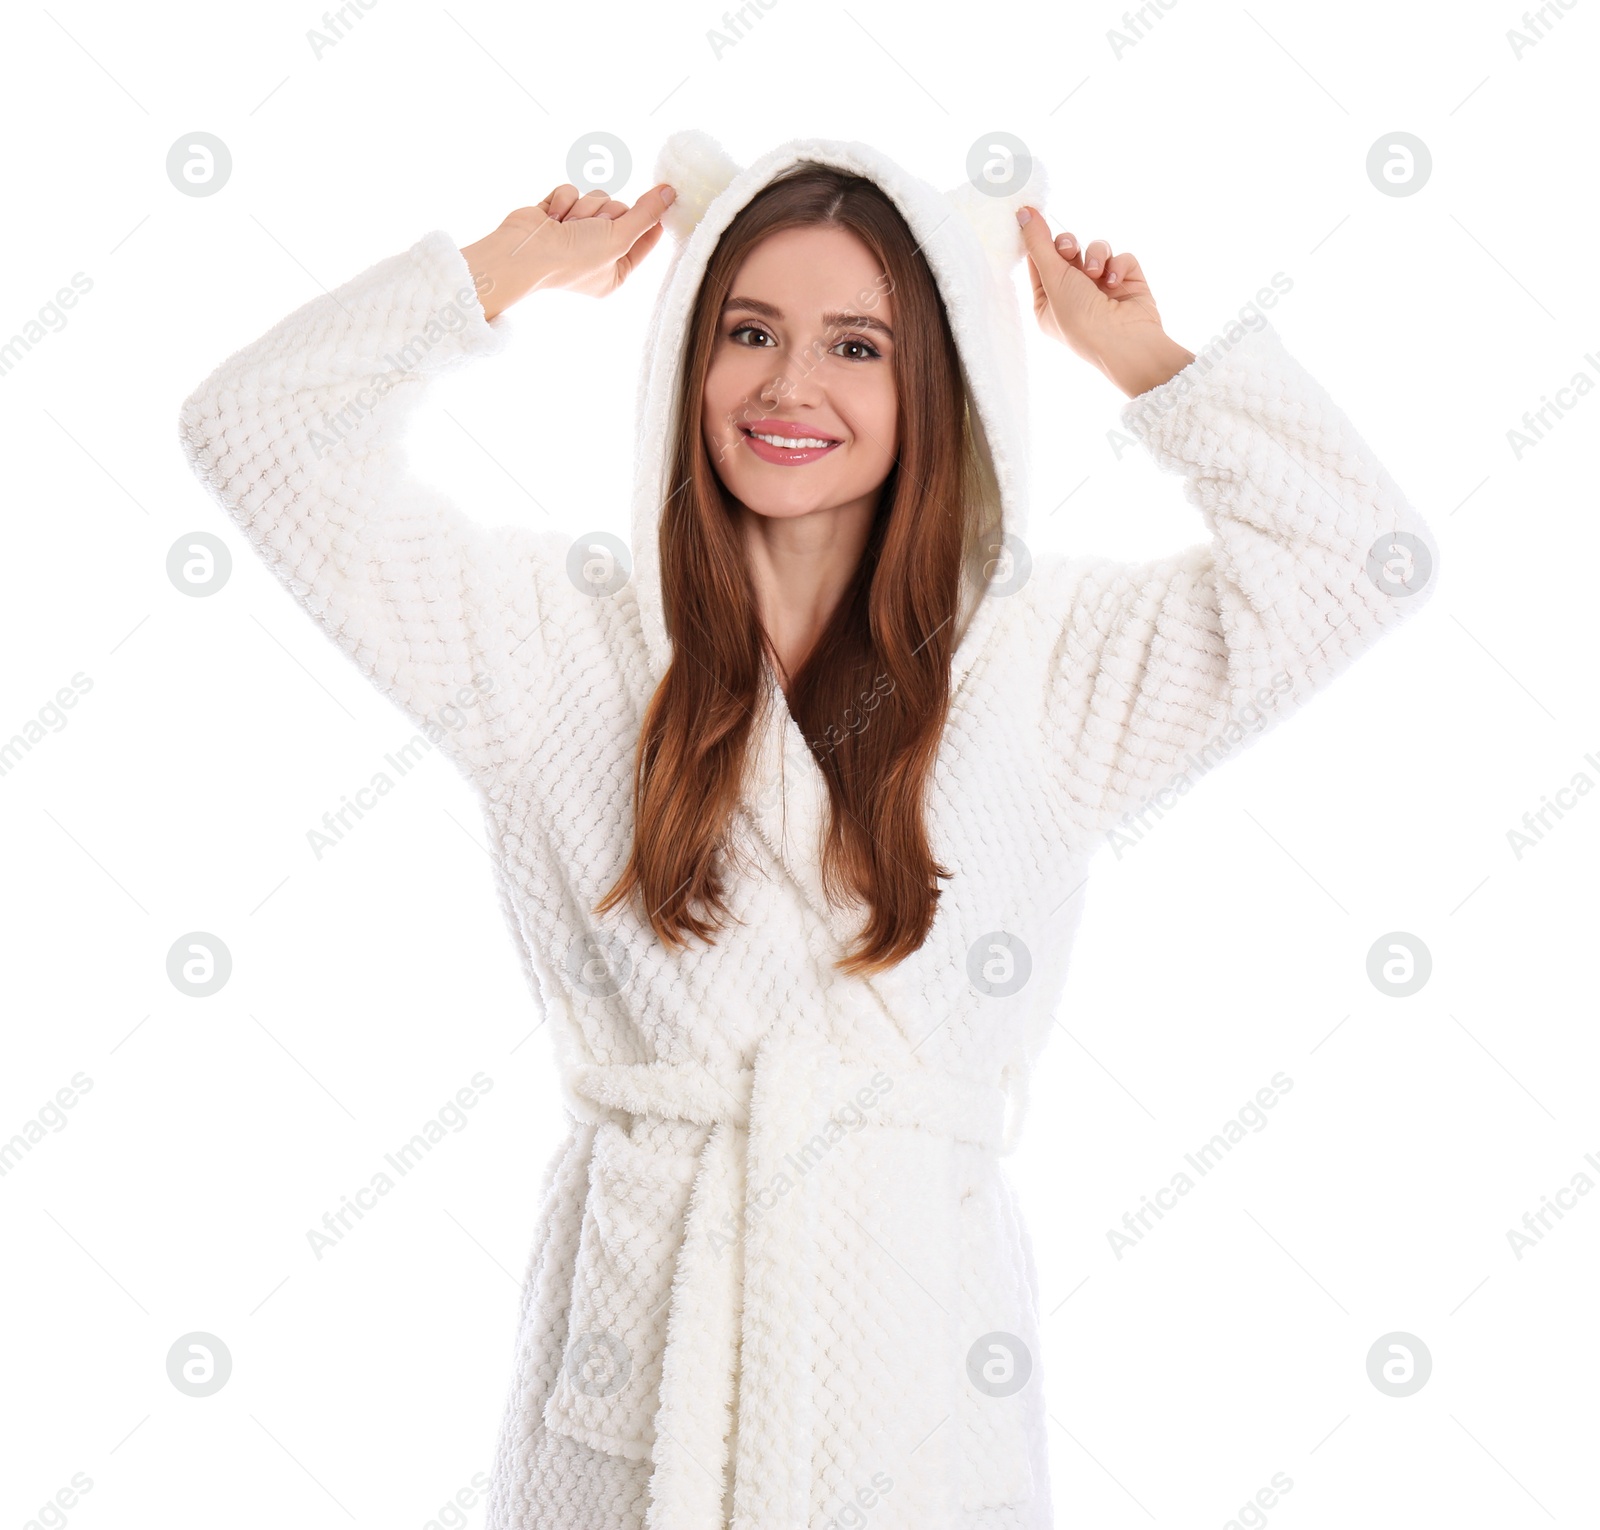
[832, 320]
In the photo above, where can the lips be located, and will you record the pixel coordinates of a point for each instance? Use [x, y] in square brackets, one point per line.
[787, 456]
[788, 428]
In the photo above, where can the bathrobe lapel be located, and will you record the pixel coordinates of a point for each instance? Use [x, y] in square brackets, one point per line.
[786, 799]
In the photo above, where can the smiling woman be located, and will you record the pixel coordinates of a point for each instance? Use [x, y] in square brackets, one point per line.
[804, 533]
[835, 667]
[812, 571]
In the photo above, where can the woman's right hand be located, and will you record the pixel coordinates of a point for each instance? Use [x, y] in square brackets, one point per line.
[586, 244]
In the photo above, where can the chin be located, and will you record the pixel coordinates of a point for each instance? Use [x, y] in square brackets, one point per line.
[780, 509]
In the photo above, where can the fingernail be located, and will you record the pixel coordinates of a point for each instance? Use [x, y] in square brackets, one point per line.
[1023, 215]
[667, 194]
[1111, 279]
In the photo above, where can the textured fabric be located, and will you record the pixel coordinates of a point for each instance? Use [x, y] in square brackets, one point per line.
[777, 1248]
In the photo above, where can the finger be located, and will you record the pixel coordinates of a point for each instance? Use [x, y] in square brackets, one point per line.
[559, 200]
[1132, 271]
[641, 247]
[1039, 297]
[1067, 245]
[1095, 257]
[1040, 247]
[644, 214]
[589, 204]
[1120, 269]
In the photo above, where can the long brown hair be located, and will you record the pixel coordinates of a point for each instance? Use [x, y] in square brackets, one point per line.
[872, 695]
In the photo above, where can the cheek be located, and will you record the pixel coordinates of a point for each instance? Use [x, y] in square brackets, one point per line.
[725, 398]
[715, 405]
[881, 417]
[719, 443]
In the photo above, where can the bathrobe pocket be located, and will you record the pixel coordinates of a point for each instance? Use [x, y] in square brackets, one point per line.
[609, 1383]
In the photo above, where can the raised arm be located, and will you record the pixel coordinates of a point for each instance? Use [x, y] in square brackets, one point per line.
[1166, 668]
[1162, 669]
[299, 436]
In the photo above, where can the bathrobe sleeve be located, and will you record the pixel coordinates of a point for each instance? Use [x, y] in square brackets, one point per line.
[1165, 668]
[298, 436]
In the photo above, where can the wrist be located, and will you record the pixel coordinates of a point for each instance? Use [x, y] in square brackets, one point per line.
[1138, 368]
[501, 273]
[480, 266]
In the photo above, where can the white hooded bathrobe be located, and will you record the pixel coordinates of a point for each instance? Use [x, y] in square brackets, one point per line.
[780, 1280]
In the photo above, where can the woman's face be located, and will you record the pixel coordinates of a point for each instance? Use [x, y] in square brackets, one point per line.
[803, 350]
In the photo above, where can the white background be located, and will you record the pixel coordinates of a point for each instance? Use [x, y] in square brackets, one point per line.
[368, 987]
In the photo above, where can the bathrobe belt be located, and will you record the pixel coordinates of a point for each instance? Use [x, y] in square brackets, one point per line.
[761, 1120]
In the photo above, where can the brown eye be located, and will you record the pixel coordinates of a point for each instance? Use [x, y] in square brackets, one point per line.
[871, 350]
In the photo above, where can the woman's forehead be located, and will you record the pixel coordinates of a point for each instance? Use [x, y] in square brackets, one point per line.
[807, 272]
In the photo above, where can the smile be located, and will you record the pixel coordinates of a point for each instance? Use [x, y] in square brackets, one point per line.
[788, 450]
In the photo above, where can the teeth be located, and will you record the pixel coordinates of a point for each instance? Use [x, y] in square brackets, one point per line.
[791, 441]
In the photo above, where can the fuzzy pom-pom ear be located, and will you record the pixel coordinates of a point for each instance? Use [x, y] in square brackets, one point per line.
[699, 169]
[994, 219]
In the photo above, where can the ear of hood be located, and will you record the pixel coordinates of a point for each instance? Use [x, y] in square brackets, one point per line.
[973, 246]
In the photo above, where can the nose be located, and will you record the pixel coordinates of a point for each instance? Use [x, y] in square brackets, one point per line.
[794, 384]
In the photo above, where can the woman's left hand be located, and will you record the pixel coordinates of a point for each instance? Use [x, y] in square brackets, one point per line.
[1101, 306]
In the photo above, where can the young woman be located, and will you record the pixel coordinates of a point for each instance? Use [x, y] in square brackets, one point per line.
[790, 817]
